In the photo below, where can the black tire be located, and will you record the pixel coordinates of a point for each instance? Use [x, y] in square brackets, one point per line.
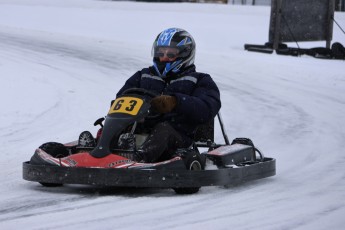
[56, 150]
[192, 161]
[50, 184]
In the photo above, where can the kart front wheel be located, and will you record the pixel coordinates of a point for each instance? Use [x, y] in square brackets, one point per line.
[57, 150]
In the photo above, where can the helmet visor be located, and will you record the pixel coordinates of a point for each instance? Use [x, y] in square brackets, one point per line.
[171, 51]
[163, 52]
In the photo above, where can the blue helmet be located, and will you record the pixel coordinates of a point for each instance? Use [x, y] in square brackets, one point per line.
[174, 38]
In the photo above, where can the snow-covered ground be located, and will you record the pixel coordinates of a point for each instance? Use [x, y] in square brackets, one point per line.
[62, 62]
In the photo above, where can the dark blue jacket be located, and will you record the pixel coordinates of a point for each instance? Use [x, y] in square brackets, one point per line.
[198, 99]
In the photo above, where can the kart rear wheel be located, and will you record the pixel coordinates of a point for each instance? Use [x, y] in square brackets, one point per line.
[193, 162]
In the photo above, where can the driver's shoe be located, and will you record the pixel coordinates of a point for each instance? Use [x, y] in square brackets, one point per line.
[86, 140]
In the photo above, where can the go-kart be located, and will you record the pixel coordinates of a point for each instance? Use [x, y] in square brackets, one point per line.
[108, 160]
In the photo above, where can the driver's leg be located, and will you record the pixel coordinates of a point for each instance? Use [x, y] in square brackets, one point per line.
[162, 143]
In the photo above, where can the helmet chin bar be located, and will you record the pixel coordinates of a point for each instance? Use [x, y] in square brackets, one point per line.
[164, 68]
[157, 66]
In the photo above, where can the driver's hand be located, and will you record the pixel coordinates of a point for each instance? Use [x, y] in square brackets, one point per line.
[164, 103]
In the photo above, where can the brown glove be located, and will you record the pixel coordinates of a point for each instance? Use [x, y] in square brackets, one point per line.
[164, 103]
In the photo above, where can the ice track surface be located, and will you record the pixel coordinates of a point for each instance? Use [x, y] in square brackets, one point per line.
[62, 62]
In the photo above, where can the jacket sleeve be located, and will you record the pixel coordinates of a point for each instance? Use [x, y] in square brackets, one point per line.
[203, 104]
[132, 82]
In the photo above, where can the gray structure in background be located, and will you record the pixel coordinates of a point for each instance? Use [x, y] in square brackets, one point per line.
[339, 4]
[301, 20]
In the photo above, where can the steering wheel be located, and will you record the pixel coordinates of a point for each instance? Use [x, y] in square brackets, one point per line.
[153, 114]
[140, 91]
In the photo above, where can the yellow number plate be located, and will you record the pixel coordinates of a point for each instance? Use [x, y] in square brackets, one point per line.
[129, 105]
